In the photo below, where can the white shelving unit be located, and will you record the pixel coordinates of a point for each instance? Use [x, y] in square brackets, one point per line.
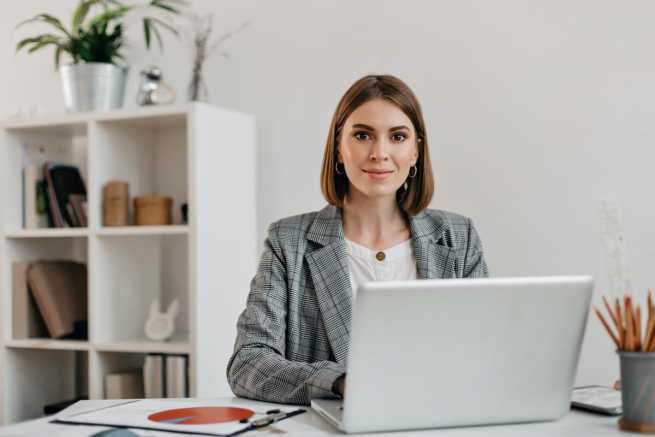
[195, 153]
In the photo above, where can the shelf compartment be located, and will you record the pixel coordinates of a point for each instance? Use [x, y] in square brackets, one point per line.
[34, 249]
[33, 144]
[41, 377]
[113, 362]
[135, 271]
[152, 157]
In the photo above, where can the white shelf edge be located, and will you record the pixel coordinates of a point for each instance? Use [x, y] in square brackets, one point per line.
[126, 231]
[48, 344]
[86, 117]
[47, 233]
[145, 346]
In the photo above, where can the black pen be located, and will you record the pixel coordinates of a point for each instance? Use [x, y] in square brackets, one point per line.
[265, 421]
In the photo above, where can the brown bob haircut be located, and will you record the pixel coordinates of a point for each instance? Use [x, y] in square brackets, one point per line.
[419, 190]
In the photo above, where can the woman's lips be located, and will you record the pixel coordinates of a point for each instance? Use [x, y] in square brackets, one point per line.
[378, 174]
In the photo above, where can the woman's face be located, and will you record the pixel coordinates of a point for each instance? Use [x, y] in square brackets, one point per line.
[377, 148]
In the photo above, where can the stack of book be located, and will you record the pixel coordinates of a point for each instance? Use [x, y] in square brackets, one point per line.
[166, 376]
[54, 196]
[124, 385]
[49, 299]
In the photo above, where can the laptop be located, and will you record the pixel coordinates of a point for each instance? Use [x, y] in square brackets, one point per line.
[460, 352]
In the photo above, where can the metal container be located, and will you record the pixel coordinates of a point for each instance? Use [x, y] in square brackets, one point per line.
[93, 86]
[638, 390]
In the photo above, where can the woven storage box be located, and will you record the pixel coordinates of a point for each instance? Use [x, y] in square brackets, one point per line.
[153, 210]
[115, 204]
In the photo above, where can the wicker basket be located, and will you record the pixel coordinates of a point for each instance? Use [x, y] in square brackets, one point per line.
[153, 210]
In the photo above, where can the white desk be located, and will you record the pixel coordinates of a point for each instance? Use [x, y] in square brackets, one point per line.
[574, 424]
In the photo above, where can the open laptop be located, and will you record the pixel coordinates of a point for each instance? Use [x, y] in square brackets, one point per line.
[457, 352]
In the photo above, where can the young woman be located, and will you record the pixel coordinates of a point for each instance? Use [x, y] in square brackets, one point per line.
[293, 337]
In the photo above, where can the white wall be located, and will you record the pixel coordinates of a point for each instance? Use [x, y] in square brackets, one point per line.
[535, 111]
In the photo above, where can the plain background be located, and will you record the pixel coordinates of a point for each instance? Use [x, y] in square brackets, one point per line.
[535, 111]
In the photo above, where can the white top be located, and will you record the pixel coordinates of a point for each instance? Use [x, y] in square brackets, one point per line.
[396, 263]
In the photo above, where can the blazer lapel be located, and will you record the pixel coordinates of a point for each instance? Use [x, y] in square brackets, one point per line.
[434, 260]
[328, 266]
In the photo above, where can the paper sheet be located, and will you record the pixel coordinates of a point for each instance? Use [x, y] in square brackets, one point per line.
[134, 413]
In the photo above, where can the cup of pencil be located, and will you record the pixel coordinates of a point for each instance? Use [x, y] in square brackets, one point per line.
[637, 360]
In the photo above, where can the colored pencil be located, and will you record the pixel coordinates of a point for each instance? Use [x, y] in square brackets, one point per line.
[617, 325]
[638, 328]
[617, 305]
[648, 338]
[629, 325]
[608, 329]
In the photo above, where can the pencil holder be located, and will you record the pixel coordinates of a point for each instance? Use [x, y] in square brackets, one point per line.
[638, 391]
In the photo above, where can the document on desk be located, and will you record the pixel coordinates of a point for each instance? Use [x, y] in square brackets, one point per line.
[193, 417]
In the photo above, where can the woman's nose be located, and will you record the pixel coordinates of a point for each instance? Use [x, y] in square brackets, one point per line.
[378, 152]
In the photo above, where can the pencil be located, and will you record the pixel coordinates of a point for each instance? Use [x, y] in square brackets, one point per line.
[617, 325]
[629, 326]
[607, 328]
[648, 339]
[638, 329]
[651, 316]
[617, 305]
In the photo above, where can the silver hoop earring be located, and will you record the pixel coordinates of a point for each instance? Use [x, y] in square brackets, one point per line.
[336, 169]
[415, 168]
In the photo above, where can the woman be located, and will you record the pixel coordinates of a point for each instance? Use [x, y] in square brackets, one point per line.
[293, 337]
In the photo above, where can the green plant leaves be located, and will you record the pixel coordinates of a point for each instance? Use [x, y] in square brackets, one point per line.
[100, 38]
[48, 19]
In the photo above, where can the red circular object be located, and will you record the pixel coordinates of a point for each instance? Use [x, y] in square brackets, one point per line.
[201, 415]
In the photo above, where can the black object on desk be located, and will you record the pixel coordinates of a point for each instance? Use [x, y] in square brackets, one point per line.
[268, 420]
[59, 406]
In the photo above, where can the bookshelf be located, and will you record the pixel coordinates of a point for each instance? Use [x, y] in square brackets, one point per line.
[197, 154]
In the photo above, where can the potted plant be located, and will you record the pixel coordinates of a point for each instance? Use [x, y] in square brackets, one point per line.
[95, 80]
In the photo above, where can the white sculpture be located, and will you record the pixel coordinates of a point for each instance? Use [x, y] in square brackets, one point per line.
[160, 326]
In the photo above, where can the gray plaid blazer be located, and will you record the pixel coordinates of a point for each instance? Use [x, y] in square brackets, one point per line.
[293, 337]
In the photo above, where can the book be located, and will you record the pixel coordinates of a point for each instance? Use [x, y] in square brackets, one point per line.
[78, 204]
[176, 376]
[34, 214]
[124, 385]
[25, 316]
[154, 377]
[60, 291]
[53, 209]
[43, 192]
[63, 180]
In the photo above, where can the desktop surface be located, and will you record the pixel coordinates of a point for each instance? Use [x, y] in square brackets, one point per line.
[573, 424]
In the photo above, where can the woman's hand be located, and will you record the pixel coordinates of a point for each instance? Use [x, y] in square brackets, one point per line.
[340, 385]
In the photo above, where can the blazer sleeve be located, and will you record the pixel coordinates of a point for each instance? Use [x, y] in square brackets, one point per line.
[258, 368]
[475, 266]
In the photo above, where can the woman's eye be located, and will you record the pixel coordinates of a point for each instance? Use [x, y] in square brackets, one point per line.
[398, 138]
[362, 136]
